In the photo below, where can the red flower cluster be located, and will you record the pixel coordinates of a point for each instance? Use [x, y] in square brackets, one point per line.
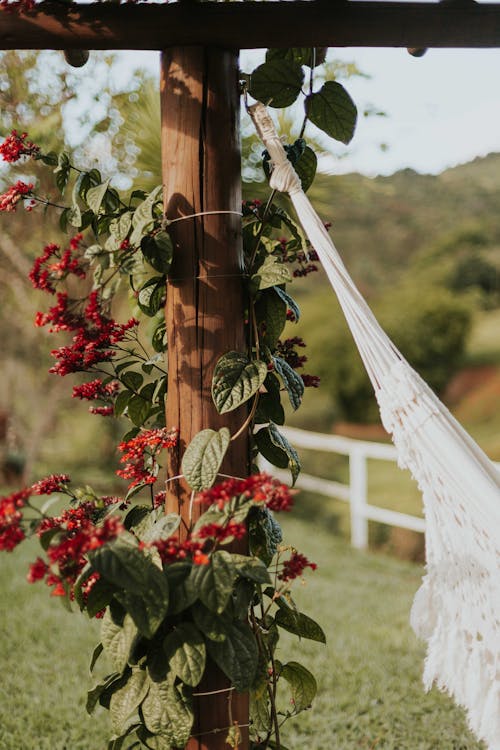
[49, 485]
[103, 411]
[11, 532]
[311, 381]
[11, 518]
[139, 455]
[17, 6]
[295, 566]
[16, 145]
[44, 275]
[261, 488]
[79, 533]
[287, 350]
[95, 333]
[220, 533]
[171, 550]
[96, 389]
[10, 199]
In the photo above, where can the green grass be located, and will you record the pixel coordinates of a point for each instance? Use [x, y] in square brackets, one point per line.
[370, 694]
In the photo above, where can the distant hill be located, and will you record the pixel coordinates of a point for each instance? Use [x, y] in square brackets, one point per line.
[381, 223]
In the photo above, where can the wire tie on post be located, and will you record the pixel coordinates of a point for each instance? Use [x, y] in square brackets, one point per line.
[167, 222]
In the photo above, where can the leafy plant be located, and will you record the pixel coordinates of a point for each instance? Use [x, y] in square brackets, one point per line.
[173, 595]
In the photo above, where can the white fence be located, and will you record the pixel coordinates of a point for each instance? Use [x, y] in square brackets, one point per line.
[356, 492]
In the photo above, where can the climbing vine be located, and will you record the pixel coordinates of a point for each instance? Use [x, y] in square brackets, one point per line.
[171, 601]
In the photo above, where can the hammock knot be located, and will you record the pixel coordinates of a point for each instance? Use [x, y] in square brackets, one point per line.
[284, 178]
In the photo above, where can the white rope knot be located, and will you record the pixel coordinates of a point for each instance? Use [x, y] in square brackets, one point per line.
[285, 179]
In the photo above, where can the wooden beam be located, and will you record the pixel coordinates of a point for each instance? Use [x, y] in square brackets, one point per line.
[205, 297]
[252, 25]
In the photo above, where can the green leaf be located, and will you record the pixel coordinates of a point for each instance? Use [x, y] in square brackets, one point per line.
[276, 448]
[259, 710]
[306, 166]
[271, 316]
[151, 295]
[146, 611]
[251, 568]
[302, 683]
[118, 640]
[185, 649]
[271, 272]
[299, 624]
[121, 402]
[122, 563]
[99, 596]
[270, 409]
[126, 700]
[159, 337]
[236, 379]
[292, 305]
[158, 251]
[264, 534]
[214, 581]
[132, 380]
[62, 172]
[142, 219]
[95, 196]
[167, 713]
[203, 457]
[94, 695]
[184, 594]
[332, 110]
[277, 83]
[161, 528]
[120, 227]
[138, 410]
[95, 655]
[211, 625]
[74, 216]
[237, 655]
[291, 380]
[300, 55]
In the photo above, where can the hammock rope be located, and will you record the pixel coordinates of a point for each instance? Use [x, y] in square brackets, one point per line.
[457, 608]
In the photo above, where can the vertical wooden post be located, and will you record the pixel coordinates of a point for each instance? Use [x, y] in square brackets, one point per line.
[205, 300]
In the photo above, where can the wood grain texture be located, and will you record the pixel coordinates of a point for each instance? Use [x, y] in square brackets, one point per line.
[205, 292]
[253, 25]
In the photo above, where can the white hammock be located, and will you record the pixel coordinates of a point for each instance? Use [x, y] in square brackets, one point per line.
[457, 608]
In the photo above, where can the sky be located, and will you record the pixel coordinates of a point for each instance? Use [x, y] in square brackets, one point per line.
[442, 109]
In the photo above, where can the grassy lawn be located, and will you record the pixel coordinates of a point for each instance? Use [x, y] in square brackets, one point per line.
[370, 695]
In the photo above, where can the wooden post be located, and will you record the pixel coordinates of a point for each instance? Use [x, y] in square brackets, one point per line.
[205, 300]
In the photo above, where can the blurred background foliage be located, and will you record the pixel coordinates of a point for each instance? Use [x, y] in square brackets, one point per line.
[424, 250]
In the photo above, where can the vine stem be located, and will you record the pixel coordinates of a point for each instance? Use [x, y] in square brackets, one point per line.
[248, 420]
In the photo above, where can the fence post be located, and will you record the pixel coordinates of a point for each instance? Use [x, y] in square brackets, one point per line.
[358, 485]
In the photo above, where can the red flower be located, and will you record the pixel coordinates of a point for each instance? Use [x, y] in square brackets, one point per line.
[16, 146]
[220, 533]
[287, 350]
[37, 570]
[95, 389]
[261, 488]
[311, 381]
[171, 550]
[17, 6]
[11, 531]
[10, 199]
[49, 485]
[295, 566]
[44, 275]
[139, 455]
[103, 411]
